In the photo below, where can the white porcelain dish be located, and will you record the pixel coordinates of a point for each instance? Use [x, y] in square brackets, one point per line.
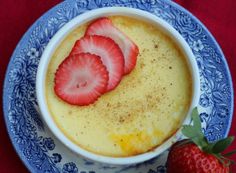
[80, 20]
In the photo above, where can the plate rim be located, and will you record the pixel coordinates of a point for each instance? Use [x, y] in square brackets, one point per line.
[53, 8]
[229, 76]
[5, 94]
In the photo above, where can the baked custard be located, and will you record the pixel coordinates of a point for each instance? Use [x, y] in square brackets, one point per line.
[145, 109]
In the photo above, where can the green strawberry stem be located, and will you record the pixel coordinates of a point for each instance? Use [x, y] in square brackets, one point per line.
[195, 135]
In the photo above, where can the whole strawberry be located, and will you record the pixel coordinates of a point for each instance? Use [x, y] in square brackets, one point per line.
[188, 158]
[196, 154]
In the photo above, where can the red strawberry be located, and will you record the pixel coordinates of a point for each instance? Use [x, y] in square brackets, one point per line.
[109, 52]
[188, 158]
[81, 79]
[196, 154]
[104, 27]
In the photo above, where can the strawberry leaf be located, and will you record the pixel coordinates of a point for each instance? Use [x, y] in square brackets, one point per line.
[229, 153]
[208, 148]
[195, 135]
[201, 142]
[190, 131]
[222, 144]
[196, 119]
[194, 131]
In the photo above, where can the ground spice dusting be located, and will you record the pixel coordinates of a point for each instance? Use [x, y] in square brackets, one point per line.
[153, 60]
[121, 120]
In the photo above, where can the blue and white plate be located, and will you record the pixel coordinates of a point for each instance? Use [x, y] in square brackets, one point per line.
[42, 152]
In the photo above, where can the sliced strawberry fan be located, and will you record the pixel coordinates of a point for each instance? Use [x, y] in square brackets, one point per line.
[96, 64]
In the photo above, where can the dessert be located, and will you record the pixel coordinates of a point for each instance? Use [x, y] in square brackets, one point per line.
[144, 109]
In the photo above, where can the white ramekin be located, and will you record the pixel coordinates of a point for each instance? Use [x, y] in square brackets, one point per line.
[86, 17]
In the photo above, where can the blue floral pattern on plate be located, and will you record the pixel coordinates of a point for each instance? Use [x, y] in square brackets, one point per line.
[42, 152]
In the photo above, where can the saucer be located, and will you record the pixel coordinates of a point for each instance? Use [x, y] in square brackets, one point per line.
[42, 152]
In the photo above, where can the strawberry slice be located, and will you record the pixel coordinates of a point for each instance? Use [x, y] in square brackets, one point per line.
[109, 52]
[104, 27]
[81, 79]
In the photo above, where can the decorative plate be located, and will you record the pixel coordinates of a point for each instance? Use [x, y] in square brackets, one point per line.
[41, 151]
